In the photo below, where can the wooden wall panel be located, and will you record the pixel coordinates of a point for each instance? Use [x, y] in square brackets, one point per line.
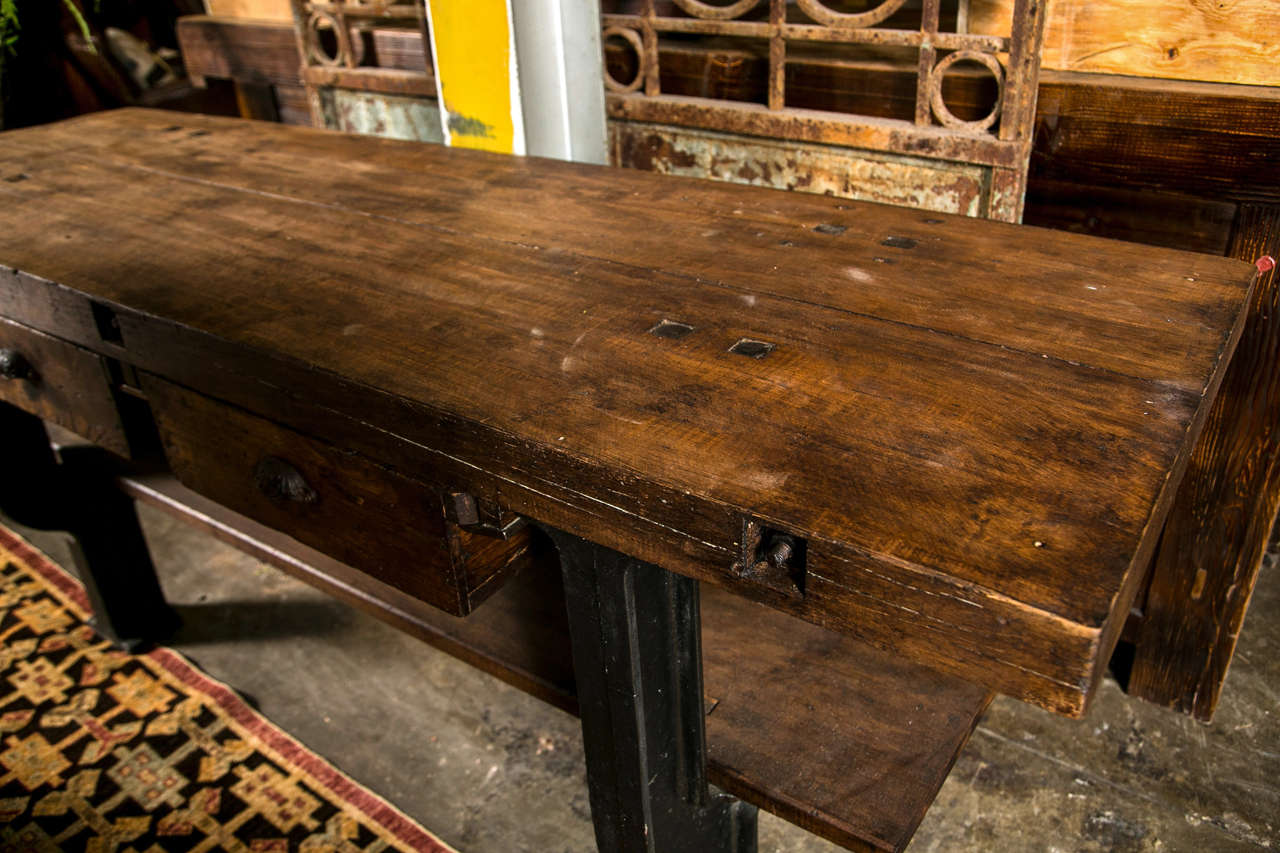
[1222, 41]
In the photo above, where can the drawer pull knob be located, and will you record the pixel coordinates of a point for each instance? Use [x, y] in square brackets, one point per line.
[13, 365]
[280, 481]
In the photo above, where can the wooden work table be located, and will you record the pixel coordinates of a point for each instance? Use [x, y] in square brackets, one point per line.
[953, 440]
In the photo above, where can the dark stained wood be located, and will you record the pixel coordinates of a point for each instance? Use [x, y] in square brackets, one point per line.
[423, 186]
[1152, 217]
[1153, 161]
[778, 688]
[889, 730]
[519, 635]
[360, 512]
[61, 383]
[1216, 147]
[980, 469]
[261, 52]
[1208, 139]
[1218, 530]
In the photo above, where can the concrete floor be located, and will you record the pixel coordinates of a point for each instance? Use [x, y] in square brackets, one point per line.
[491, 770]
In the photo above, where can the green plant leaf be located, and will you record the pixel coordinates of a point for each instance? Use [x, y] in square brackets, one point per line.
[82, 24]
[9, 26]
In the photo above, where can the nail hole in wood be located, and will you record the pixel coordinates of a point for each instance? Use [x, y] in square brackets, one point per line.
[899, 242]
[671, 329]
[828, 228]
[196, 133]
[13, 179]
[932, 221]
[880, 260]
[752, 349]
[785, 243]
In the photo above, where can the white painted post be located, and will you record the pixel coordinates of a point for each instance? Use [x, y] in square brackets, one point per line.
[561, 78]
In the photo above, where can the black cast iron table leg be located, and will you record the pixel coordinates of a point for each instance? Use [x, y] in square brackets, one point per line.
[635, 629]
[76, 494]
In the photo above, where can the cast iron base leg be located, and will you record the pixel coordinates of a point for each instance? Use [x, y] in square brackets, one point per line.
[636, 636]
[76, 494]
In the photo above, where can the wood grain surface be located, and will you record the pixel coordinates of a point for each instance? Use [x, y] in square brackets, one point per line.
[974, 425]
[1224, 41]
[1213, 544]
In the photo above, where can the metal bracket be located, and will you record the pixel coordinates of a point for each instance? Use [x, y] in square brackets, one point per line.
[772, 557]
[480, 516]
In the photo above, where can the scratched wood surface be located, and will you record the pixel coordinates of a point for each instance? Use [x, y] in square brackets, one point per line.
[975, 426]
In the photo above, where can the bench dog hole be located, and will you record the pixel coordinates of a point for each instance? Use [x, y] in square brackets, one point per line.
[671, 329]
[752, 348]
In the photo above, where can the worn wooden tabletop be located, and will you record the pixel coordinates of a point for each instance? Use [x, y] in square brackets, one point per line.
[975, 426]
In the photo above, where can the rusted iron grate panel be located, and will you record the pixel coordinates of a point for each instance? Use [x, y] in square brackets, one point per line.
[338, 39]
[933, 29]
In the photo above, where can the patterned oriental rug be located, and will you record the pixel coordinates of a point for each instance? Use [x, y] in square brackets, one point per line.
[105, 751]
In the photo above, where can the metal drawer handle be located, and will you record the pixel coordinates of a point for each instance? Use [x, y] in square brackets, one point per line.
[13, 365]
[282, 482]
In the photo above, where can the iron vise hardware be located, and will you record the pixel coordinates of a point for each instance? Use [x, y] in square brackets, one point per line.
[281, 482]
[481, 516]
[13, 365]
[773, 558]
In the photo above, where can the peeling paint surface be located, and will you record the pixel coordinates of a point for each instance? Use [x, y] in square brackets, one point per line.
[467, 126]
[392, 116]
[943, 186]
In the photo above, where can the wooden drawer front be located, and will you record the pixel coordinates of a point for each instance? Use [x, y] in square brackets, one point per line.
[340, 503]
[60, 382]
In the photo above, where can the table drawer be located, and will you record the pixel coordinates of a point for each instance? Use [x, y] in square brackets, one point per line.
[62, 383]
[338, 502]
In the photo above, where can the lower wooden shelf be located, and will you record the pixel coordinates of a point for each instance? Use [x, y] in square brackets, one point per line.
[847, 741]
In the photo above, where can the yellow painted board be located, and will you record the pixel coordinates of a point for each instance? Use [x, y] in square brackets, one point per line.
[1218, 41]
[262, 10]
[473, 48]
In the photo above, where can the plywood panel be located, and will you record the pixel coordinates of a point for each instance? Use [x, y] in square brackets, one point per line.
[1224, 41]
[262, 10]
